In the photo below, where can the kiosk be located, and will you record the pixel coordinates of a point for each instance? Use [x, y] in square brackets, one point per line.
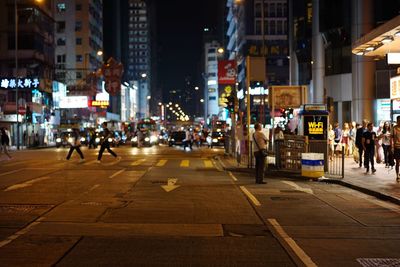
[314, 124]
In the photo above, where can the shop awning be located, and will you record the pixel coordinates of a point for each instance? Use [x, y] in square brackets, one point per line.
[380, 41]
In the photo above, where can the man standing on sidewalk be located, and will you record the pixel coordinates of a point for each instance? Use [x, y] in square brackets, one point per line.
[359, 135]
[260, 142]
[395, 146]
[368, 142]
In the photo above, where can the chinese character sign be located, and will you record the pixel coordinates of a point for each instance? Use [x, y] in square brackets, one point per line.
[226, 72]
[112, 72]
[12, 83]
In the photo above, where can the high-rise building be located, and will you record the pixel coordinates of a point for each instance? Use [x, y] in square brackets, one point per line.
[258, 28]
[79, 39]
[26, 67]
[211, 107]
[139, 50]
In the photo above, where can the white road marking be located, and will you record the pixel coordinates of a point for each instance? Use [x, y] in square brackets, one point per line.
[10, 172]
[94, 187]
[299, 188]
[26, 184]
[118, 172]
[293, 245]
[161, 163]
[250, 196]
[20, 232]
[138, 162]
[232, 176]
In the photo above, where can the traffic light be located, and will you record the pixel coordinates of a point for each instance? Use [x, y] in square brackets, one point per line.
[230, 103]
[28, 115]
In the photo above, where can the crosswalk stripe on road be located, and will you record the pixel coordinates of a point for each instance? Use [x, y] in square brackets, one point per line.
[185, 163]
[208, 164]
[161, 162]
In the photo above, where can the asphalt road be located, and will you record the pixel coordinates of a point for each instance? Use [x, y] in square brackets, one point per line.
[164, 206]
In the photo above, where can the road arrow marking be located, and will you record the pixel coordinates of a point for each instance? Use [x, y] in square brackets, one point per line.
[171, 185]
[299, 188]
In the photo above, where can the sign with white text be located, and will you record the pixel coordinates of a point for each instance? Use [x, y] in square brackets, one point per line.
[74, 102]
[12, 83]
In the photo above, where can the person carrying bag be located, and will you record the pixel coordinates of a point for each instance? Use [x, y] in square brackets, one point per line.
[260, 152]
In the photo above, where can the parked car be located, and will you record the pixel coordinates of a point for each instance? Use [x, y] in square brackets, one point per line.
[147, 139]
[176, 138]
[216, 139]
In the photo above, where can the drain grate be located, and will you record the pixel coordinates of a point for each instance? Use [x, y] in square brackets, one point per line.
[92, 203]
[284, 198]
[21, 208]
[375, 262]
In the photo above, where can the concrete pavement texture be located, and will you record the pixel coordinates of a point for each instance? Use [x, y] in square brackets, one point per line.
[382, 184]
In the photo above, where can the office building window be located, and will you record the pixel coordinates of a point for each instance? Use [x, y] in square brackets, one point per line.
[272, 27]
[279, 27]
[61, 7]
[272, 11]
[61, 41]
[60, 26]
[258, 27]
[79, 75]
[78, 26]
[79, 58]
[257, 10]
[78, 41]
[61, 58]
[78, 7]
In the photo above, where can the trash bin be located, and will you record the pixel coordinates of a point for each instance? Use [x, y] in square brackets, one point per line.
[312, 165]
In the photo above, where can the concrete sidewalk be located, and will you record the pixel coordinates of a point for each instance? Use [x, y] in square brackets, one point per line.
[381, 184]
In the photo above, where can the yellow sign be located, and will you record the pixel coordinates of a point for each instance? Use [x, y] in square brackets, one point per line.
[100, 103]
[316, 127]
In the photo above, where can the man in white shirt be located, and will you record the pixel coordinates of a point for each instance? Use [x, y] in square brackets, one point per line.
[260, 142]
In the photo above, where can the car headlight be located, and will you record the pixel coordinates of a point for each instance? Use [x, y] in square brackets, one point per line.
[134, 139]
[83, 139]
[97, 140]
[215, 140]
[161, 137]
[70, 140]
[173, 140]
[147, 139]
[58, 140]
[153, 139]
[109, 140]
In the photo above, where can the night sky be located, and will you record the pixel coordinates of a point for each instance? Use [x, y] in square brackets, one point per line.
[179, 32]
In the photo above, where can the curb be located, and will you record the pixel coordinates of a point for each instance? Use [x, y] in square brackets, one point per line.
[274, 174]
[364, 190]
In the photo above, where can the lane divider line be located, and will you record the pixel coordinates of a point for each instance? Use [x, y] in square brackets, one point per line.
[185, 163]
[306, 260]
[118, 172]
[232, 176]
[250, 196]
[138, 162]
[94, 187]
[10, 172]
[26, 184]
[208, 164]
[89, 162]
[161, 162]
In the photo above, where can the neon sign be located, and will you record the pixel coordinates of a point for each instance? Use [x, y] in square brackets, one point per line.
[20, 83]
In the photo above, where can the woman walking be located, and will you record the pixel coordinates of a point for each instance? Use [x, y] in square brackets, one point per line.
[5, 140]
[385, 137]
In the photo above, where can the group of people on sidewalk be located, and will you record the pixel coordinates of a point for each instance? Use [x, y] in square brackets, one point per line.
[367, 145]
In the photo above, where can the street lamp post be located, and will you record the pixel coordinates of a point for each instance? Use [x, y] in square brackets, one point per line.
[16, 67]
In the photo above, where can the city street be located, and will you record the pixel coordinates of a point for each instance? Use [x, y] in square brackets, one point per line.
[163, 206]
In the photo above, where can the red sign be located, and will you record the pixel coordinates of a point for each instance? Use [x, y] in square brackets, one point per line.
[227, 72]
[99, 103]
[112, 72]
[21, 110]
